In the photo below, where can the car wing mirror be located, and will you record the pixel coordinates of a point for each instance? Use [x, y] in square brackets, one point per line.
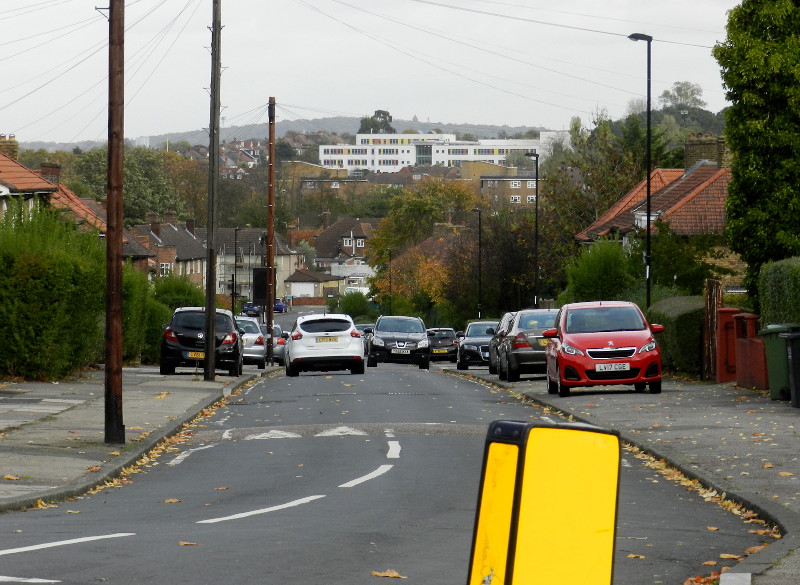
[285, 335]
[369, 330]
[490, 331]
[549, 333]
[656, 328]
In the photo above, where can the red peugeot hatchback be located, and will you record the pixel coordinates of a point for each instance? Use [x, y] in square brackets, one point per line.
[602, 343]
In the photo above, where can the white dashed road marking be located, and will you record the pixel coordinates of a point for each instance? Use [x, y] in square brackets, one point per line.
[380, 471]
[261, 511]
[35, 547]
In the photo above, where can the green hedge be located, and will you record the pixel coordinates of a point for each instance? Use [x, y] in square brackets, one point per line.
[681, 342]
[779, 292]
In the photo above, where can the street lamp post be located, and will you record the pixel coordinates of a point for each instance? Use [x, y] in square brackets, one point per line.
[480, 255]
[647, 258]
[389, 268]
[535, 156]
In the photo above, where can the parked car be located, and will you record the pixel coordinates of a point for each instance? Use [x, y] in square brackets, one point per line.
[184, 343]
[602, 343]
[521, 351]
[473, 344]
[278, 342]
[250, 309]
[398, 339]
[499, 334]
[323, 342]
[255, 348]
[362, 327]
[444, 343]
[280, 306]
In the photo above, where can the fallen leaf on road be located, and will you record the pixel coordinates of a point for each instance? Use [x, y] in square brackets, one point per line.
[221, 488]
[754, 549]
[184, 543]
[73, 512]
[162, 395]
[389, 573]
[135, 429]
[115, 453]
[767, 466]
[730, 557]
[172, 501]
[711, 528]
[74, 432]
[637, 557]
[93, 468]
[786, 474]
[710, 563]
[11, 477]
[43, 506]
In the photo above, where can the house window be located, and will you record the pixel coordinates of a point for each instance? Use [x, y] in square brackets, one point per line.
[165, 268]
[347, 242]
[311, 184]
[515, 184]
[334, 185]
[516, 199]
[531, 184]
[531, 198]
[360, 243]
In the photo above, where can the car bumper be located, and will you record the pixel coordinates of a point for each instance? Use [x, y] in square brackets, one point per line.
[583, 371]
[527, 360]
[475, 357]
[442, 353]
[414, 356]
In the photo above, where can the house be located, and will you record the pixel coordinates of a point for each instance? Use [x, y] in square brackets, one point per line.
[341, 249]
[177, 248]
[310, 286]
[692, 200]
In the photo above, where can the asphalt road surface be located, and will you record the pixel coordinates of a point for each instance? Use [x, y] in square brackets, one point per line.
[326, 478]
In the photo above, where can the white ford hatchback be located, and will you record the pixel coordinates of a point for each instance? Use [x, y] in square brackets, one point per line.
[323, 342]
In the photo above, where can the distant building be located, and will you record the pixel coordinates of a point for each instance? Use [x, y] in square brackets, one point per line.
[388, 153]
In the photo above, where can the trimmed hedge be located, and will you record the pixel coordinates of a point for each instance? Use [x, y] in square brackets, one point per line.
[779, 291]
[681, 342]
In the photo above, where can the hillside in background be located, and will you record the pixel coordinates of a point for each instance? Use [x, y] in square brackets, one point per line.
[337, 125]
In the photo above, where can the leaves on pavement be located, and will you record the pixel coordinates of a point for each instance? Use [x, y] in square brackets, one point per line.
[388, 573]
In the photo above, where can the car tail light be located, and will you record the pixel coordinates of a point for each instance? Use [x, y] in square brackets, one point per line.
[521, 341]
[281, 341]
[355, 333]
[170, 334]
[455, 341]
[297, 335]
[260, 340]
[230, 338]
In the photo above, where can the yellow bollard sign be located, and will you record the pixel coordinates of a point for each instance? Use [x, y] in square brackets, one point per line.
[547, 507]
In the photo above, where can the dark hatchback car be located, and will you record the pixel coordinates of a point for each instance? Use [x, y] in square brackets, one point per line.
[184, 344]
[499, 334]
[444, 343]
[398, 339]
[473, 346]
[522, 349]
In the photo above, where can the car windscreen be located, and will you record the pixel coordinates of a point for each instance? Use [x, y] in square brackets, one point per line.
[537, 322]
[479, 329]
[197, 320]
[248, 326]
[325, 325]
[400, 326]
[603, 319]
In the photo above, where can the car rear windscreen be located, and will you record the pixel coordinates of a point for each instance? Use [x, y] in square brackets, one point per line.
[325, 325]
[197, 320]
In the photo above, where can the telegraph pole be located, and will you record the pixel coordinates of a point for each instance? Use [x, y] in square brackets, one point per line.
[271, 227]
[114, 429]
[213, 182]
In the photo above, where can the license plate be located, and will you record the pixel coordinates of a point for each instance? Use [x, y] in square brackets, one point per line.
[612, 367]
[543, 342]
[439, 351]
[402, 351]
[197, 355]
[327, 339]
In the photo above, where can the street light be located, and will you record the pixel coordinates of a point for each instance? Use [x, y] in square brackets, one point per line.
[535, 156]
[389, 268]
[480, 249]
[233, 276]
[647, 258]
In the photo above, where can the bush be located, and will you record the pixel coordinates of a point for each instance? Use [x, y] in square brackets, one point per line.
[601, 272]
[681, 342]
[779, 291]
[156, 314]
[179, 291]
[52, 282]
[354, 304]
[135, 293]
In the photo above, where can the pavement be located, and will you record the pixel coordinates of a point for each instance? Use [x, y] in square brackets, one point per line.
[733, 440]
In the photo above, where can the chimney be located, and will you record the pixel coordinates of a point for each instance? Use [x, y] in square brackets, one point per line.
[155, 225]
[326, 219]
[51, 171]
[9, 146]
[190, 226]
[171, 217]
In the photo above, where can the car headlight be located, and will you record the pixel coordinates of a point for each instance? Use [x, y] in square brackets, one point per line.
[377, 341]
[649, 346]
[569, 350]
[471, 347]
[423, 344]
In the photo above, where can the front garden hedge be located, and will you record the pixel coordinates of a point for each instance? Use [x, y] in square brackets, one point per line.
[681, 342]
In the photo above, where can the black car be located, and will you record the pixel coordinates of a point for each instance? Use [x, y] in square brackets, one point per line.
[184, 344]
[521, 351]
[473, 346]
[444, 343]
[499, 334]
[400, 340]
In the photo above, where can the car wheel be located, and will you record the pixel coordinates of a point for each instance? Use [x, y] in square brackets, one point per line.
[512, 375]
[426, 365]
[291, 371]
[233, 371]
[655, 387]
[563, 391]
[371, 362]
[639, 386]
[552, 387]
[501, 371]
[262, 364]
[492, 369]
[357, 369]
[166, 369]
[461, 366]
[240, 367]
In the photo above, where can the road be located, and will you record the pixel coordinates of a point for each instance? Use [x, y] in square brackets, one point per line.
[327, 478]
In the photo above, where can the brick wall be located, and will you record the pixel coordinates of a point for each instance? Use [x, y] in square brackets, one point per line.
[708, 147]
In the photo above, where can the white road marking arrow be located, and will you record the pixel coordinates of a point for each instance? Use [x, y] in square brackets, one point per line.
[340, 432]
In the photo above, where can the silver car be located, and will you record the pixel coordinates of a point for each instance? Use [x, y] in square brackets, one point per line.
[255, 350]
[278, 342]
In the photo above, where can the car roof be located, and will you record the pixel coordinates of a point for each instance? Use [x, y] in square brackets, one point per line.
[597, 304]
[399, 317]
[202, 310]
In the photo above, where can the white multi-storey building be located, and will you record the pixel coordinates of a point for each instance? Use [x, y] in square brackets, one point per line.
[388, 153]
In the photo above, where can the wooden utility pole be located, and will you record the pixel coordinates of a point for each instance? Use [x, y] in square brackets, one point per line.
[114, 429]
[271, 226]
[213, 183]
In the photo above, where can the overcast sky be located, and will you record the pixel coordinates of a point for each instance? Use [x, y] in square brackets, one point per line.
[515, 62]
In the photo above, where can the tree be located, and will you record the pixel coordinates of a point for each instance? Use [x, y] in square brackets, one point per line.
[378, 123]
[759, 69]
[684, 94]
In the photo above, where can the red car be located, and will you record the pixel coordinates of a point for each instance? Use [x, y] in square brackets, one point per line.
[602, 343]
